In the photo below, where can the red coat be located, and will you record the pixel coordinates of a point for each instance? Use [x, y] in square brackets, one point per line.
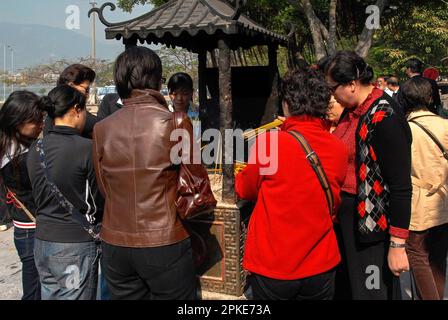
[290, 234]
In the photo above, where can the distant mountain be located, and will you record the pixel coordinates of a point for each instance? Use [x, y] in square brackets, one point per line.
[36, 44]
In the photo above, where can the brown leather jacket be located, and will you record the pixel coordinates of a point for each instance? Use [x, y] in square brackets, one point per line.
[131, 154]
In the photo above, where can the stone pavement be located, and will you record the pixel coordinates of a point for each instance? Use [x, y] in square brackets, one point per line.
[10, 274]
[10, 268]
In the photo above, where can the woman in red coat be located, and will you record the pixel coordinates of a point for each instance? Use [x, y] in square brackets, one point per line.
[291, 250]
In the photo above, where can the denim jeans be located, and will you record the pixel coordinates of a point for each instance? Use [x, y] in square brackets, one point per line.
[68, 271]
[24, 242]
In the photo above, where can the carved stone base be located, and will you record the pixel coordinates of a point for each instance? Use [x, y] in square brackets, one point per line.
[218, 243]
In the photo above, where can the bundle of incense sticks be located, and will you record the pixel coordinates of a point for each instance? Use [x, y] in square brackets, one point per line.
[255, 132]
[238, 166]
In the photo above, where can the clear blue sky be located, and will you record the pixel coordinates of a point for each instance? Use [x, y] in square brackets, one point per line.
[52, 13]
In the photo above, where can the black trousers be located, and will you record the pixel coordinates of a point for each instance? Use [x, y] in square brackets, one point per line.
[365, 264]
[159, 273]
[318, 287]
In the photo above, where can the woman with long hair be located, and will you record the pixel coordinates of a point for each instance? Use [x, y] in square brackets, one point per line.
[21, 122]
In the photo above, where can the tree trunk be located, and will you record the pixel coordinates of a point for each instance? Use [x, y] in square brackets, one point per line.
[315, 28]
[226, 120]
[332, 27]
[365, 39]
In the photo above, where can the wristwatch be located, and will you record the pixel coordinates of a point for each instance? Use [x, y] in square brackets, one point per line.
[397, 245]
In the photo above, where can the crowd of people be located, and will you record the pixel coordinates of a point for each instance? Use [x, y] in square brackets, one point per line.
[359, 195]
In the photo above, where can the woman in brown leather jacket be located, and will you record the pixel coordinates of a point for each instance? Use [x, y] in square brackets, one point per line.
[146, 249]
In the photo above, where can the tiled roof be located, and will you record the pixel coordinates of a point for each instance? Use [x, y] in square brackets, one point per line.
[179, 22]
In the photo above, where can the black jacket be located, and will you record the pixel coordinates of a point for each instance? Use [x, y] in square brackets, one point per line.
[88, 128]
[109, 105]
[15, 178]
[69, 160]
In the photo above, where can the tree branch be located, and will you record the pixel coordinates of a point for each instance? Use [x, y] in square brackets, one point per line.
[332, 27]
[365, 39]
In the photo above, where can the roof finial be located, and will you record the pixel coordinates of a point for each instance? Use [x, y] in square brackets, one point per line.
[100, 10]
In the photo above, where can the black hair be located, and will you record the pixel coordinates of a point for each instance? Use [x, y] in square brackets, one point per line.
[322, 63]
[137, 68]
[61, 99]
[415, 94]
[393, 81]
[306, 93]
[76, 74]
[416, 65]
[21, 107]
[346, 66]
[180, 81]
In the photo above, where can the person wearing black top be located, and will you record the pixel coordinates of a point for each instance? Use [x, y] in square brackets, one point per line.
[66, 254]
[376, 202]
[110, 103]
[414, 68]
[21, 122]
[79, 77]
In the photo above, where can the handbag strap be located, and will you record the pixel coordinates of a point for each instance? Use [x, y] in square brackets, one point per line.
[22, 206]
[432, 136]
[315, 163]
[66, 204]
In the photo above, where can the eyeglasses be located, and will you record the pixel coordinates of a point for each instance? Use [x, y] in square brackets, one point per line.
[333, 88]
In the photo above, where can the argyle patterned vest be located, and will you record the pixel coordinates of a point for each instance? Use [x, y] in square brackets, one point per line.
[373, 192]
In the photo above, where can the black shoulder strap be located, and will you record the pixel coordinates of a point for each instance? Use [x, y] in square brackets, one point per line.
[315, 163]
[77, 216]
[432, 136]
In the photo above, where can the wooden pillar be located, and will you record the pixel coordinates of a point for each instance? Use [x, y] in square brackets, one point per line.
[272, 105]
[226, 120]
[202, 66]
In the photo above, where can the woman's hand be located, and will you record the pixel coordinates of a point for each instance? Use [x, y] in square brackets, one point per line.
[397, 258]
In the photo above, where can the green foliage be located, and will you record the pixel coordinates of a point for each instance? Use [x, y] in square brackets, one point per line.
[409, 28]
[420, 31]
[127, 5]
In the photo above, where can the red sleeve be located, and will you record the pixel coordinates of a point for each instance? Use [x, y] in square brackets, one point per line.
[248, 181]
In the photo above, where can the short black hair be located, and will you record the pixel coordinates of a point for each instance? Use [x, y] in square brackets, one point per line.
[415, 94]
[61, 99]
[76, 74]
[306, 93]
[416, 65]
[323, 62]
[180, 81]
[137, 68]
[346, 66]
[393, 81]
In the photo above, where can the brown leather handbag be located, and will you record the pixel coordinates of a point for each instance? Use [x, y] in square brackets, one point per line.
[194, 193]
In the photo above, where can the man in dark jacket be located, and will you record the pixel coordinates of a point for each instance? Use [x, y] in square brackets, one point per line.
[110, 103]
